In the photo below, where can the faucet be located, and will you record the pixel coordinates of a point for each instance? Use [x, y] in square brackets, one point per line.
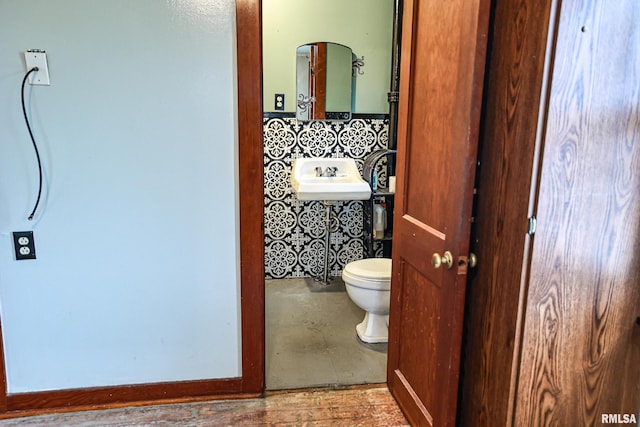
[330, 171]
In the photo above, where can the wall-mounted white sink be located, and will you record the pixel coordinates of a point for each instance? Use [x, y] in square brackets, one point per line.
[323, 178]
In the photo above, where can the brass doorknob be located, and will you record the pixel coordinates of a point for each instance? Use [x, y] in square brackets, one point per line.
[473, 260]
[446, 259]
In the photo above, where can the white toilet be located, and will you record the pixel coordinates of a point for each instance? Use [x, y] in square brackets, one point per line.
[368, 283]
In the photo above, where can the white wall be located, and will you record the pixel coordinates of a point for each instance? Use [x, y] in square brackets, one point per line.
[363, 25]
[136, 276]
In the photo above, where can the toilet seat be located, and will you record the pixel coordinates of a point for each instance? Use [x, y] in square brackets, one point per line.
[369, 273]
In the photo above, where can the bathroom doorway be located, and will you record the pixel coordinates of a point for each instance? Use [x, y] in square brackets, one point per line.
[310, 337]
[309, 326]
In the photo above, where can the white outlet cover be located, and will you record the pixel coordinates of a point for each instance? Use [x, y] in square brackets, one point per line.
[23, 240]
[24, 250]
[37, 59]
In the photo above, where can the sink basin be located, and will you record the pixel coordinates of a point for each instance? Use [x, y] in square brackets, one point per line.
[347, 184]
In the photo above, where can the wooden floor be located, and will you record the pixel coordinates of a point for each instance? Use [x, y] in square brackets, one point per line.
[359, 406]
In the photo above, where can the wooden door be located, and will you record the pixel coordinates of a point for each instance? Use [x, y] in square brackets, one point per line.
[442, 68]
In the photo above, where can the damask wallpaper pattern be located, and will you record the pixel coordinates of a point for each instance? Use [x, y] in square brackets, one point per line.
[294, 230]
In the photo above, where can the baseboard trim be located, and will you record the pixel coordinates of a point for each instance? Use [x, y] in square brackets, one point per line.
[38, 403]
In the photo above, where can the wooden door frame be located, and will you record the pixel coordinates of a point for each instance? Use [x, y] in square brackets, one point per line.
[250, 171]
[506, 176]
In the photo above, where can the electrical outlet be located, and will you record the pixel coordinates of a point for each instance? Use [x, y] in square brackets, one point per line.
[24, 245]
[37, 58]
[279, 101]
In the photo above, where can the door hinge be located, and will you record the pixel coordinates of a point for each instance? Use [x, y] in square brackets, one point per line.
[532, 225]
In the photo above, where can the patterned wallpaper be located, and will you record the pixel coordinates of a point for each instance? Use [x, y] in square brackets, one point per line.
[294, 230]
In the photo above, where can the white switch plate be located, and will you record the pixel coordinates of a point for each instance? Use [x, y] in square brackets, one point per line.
[37, 58]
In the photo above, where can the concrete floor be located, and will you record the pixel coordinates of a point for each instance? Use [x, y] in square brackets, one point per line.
[311, 339]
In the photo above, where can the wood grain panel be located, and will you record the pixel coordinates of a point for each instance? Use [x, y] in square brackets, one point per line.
[507, 148]
[579, 356]
[421, 329]
[431, 137]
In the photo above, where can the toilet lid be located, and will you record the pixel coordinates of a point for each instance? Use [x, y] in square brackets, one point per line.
[373, 268]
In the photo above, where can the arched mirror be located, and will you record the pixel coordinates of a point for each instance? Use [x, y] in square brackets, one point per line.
[323, 81]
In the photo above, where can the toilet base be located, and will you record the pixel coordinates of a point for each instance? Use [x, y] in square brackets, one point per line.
[374, 328]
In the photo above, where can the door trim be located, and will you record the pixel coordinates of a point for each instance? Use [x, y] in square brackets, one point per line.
[250, 171]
